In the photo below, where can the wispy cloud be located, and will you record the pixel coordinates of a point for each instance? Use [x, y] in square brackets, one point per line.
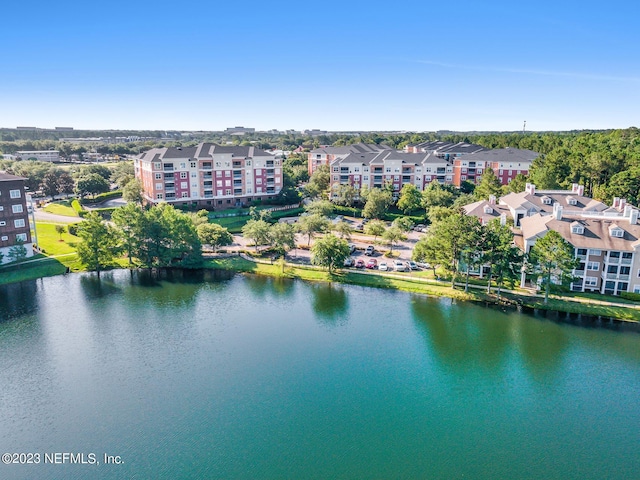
[547, 73]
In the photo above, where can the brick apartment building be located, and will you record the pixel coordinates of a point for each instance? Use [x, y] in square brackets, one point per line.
[14, 216]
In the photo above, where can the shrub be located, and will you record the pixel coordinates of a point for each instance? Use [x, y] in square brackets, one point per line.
[75, 204]
[72, 228]
[102, 197]
[631, 296]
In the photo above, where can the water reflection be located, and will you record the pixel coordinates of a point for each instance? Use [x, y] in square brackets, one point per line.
[18, 299]
[464, 338]
[96, 286]
[330, 303]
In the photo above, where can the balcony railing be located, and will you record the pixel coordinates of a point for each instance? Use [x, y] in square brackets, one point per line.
[578, 273]
[615, 276]
[170, 190]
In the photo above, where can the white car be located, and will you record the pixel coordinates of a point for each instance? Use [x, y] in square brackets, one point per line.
[383, 267]
[400, 266]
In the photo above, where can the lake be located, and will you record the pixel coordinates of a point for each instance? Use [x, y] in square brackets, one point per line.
[245, 377]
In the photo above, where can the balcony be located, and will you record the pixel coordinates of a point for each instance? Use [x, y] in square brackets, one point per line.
[377, 170]
[270, 183]
[578, 273]
[344, 178]
[237, 183]
[208, 184]
[581, 257]
[168, 168]
[269, 163]
[170, 190]
[440, 171]
[237, 164]
[406, 179]
[270, 171]
[207, 176]
[206, 166]
[615, 276]
[208, 195]
[169, 185]
[625, 261]
[168, 176]
[271, 190]
[344, 169]
[407, 170]
[237, 191]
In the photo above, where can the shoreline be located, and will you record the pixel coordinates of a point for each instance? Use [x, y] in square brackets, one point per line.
[598, 310]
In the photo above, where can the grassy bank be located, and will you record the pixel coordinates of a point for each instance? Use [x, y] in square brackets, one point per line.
[61, 207]
[416, 286]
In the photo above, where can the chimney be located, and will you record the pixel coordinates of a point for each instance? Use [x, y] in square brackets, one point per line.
[503, 219]
[574, 188]
[623, 202]
[580, 190]
[627, 210]
[616, 202]
[530, 188]
[492, 199]
[633, 218]
[557, 211]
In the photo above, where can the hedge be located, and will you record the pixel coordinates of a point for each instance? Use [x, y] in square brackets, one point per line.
[630, 296]
[75, 204]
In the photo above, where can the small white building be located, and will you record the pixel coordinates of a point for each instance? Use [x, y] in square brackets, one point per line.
[39, 155]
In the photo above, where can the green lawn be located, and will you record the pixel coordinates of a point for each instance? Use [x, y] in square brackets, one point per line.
[31, 270]
[50, 240]
[61, 207]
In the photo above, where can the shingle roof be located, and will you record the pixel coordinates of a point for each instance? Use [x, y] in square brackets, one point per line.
[502, 155]
[7, 177]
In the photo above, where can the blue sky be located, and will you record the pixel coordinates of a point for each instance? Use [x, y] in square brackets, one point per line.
[350, 65]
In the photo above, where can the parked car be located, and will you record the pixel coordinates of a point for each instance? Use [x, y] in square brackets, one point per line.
[359, 263]
[359, 226]
[372, 263]
[423, 265]
[370, 250]
[400, 266]
[352, 247]
[418, 227]
[412, 265]
[349, 262]
[383, 267]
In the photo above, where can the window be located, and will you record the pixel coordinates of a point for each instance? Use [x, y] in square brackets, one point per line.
[616, 232]
[612, 269]
[636, 289]
[194, 164]
[595, 252]
[157, 166]
[593, 266]
[183, 165]
[158, 186]
[227, 191]
[1, 208]
[16, 208]
[356, 169]
[336, 169]
[3, 223]
[183, 175]
[387, 170]
[247, 163]
[365, 178]
[582, 251]
[227, 173]
[21, 237]
[184, 184]
[185, 195]
[5, 238]
[463, 177]
[158, 176]
[158, 196]
[194, 175]
[591, 281]
[18, 223]
[579, 229]
[14, 193]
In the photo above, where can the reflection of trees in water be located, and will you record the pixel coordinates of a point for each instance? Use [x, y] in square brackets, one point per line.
[17, 299]
[94, 286]
[464, 336]
[330, 303]
[262, 286]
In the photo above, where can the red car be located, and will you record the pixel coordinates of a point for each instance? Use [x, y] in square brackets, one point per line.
[359, 263]
[372, 263]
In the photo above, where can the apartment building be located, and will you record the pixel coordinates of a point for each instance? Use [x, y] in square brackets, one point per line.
[209, 175]
[325, 155]
[388, 167]
[14, 215]
[446, 150]
[607, 244]
[39, 155]
[505, 162]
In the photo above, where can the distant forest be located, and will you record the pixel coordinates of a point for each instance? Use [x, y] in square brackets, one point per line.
[606, 162]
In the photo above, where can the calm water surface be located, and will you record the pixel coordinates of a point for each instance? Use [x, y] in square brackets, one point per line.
[257, 378]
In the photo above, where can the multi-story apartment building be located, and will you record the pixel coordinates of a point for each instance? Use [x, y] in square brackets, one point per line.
[447, 150]
[39, 155]
[376, 170]
[14, 215]
[209, 175]
[505, 162]
[325, 155]
[607, 244]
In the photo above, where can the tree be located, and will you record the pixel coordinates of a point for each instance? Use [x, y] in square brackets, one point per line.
[438, 213]
[168, 238]
[122, 174]
[282, 237]
[50, 186]
[92, 184]
[132, 191]
[405, 224]
[428, 250]
[447, 239]
[393, 235]
[435, 195]
[60, 230]
[129, 221]
[378, 202]
[214, 235]
[17, 252]
[320, 207]
[319, 182]
[87, 170]
[410, 198]
[66, 184]
[517, 184]
[343, 229]
[489, 185]
[345, 195]
[311, 224]
[625, 184]
[330, 252]
[256, 230]
[552, 256]
[375, 228]
[98, 242]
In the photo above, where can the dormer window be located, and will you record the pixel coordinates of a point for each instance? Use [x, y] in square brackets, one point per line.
[546, 200]
[488, 209]
[572, 201]
[577, 228]
[616, 232]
